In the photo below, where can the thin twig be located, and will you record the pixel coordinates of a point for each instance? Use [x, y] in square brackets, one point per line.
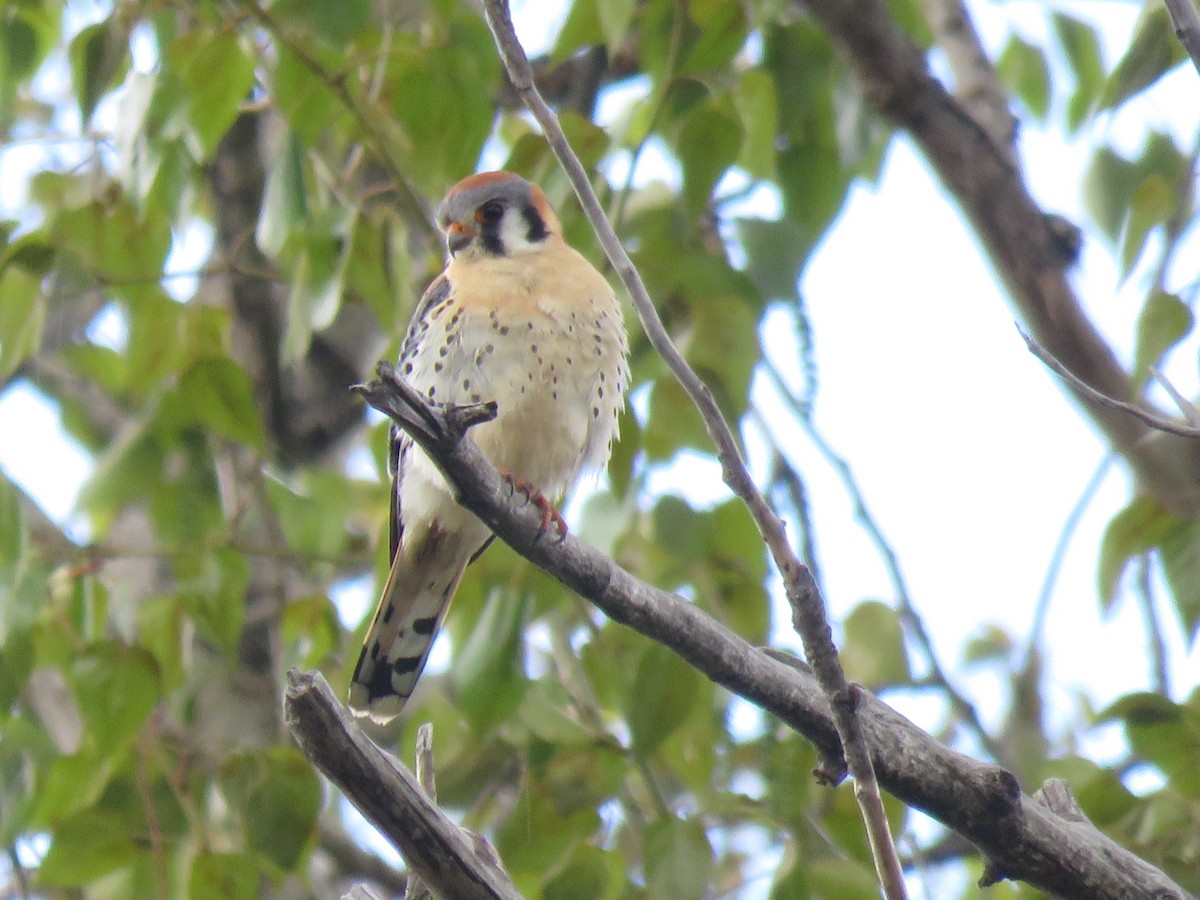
[1185, 405]
[1058, 555]
[1156, 422]
[905, 607]
[418, 889]
[808, 606]
[1160, 668]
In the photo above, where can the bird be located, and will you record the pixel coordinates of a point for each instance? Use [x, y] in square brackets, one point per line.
[519, 318]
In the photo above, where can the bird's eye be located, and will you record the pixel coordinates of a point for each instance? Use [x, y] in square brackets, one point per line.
[491, 212]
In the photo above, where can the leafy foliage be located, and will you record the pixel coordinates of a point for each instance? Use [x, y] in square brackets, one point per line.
[236, 486]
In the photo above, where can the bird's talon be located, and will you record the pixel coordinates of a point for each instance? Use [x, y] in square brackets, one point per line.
[550, 515]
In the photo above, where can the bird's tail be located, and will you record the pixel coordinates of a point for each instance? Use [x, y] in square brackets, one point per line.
[424, 576]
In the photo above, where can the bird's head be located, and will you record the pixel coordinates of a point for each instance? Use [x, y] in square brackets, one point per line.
[496, 214]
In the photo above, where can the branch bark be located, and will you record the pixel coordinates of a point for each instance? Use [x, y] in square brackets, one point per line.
[1026, 246]
[1020, 838]
[440, 852]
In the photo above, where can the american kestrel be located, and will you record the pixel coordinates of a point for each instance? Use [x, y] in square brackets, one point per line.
[520, 318]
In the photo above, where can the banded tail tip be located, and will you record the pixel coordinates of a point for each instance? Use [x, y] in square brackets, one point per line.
[379, 709]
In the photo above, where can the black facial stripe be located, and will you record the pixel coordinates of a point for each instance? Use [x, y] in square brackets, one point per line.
[490, 239]
[535, 226]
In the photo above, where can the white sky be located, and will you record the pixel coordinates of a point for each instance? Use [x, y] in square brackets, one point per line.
[967, 451]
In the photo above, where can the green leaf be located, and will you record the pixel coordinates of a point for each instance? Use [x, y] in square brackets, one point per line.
[160, 630]
[27, 34]
[873, 649]
[278, 797]
[22, 317]
[223, 876]
[305, 101]
[842, 878]
[1143, 708]
[615, 18]
[212, 586]
[216, 393]
[337, 24]
[679, 861]
[489, 670]
[673, 423]
[775, 254]
[546, 710]
[1141, 525]
[1108, 183]
[218, 74]
[99, 55]
[1023, 68]
[444, 138]
[541, 831]
[155, 338]
[708, 144]
[591, 873]
[84, 848]
[315, 510]
[1152, 52]
[1150, 205]
[376, 264]
[117, 243]
[680, 529]
[34, 252]
[310, 631]
[721, 30]
[1163, 322]
[756, 102]
[1081, 46]
[318, 282]
[664, 689]
[117, 687]
[69, 784]
[1180, 553]
[24, 748]
[285, 202]
[722, 346]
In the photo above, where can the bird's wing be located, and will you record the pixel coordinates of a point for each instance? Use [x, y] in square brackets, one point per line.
[399, 443]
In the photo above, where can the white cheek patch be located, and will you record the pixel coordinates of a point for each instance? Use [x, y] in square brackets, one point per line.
[514, 231]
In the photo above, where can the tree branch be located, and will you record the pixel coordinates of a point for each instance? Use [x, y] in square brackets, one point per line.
[809, 615]
[389, 795]
[976, 84]
[983, 803]
[1026, 246]
[1158, 423]
[1187, 27]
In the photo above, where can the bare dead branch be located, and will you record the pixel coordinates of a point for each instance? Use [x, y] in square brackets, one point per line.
[809, 607]
[441, 853]
[1156, 422]
[981, 802]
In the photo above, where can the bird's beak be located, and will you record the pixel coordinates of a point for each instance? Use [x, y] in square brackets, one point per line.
[458, 236]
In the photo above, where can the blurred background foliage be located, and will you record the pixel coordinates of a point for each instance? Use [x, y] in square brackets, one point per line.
[229, 225]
